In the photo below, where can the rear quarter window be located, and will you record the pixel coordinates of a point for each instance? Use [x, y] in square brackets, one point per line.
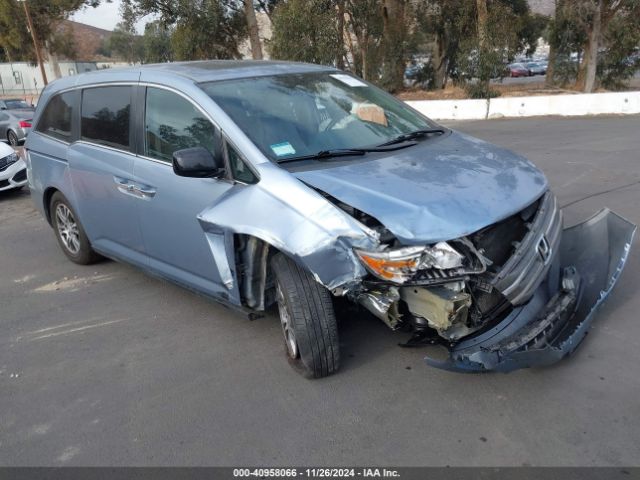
[57, 115]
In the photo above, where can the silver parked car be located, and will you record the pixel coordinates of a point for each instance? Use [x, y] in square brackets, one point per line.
[536, 68]
[273, 183]
[15, 120]
[13, 171]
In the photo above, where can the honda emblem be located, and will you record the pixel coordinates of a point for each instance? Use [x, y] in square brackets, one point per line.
[544, 250]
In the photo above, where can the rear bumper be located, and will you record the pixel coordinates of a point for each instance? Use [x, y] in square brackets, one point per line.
[556, 319]
[22, 133]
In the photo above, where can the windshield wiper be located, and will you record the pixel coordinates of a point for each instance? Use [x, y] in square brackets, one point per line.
[405, 137]
[342, 152]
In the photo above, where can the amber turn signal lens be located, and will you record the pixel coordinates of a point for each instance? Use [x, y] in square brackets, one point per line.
[396, 265]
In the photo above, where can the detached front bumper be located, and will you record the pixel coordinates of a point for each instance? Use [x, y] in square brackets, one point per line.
[556, 319]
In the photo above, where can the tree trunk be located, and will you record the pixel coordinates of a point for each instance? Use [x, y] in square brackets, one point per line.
[359, 50]
[439, 78]
[549, 81]
[340, 52]
[394, 31]
[254, 33]
[586, 79]
[53, 61]
[365, 75]
[483, 16]
[483, 20]
[590, 81]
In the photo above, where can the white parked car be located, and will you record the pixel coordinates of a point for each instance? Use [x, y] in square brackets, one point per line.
[13, 171]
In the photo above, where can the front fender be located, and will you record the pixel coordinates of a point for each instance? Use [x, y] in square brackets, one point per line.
[298, 222]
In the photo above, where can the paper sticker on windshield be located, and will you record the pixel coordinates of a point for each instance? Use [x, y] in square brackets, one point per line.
[283, 148]
[348, 80]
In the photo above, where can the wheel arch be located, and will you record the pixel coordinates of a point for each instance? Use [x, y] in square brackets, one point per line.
[252, 261]
[253, 268]
[46, 202]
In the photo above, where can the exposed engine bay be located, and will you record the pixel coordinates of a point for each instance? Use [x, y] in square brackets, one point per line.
[461, 286]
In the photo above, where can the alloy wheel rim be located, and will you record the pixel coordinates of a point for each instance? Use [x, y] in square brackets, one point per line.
[13, 139]
[287, 324]
[68, 229]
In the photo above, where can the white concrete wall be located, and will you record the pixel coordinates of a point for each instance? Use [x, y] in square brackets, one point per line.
[563, 105]
[452, 109]
[22, 78]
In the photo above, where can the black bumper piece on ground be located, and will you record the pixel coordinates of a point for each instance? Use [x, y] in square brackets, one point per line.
[556, 319]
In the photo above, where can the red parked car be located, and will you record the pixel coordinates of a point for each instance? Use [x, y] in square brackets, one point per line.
[517, 70]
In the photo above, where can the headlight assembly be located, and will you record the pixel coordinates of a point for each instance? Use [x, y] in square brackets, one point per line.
[8, 160]
[397, 265]
[400, 264]
[441, 256]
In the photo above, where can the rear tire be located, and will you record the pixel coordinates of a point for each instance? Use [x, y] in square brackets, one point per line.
[13, 138]
[307, 318]
[69, 232]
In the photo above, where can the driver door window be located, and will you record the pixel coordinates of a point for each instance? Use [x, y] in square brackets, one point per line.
[173, 123]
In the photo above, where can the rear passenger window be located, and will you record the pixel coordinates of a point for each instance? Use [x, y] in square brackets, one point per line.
[56, 118]
[106, 114]
[173, 123]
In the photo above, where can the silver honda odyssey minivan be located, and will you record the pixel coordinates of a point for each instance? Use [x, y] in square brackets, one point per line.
[263, 184]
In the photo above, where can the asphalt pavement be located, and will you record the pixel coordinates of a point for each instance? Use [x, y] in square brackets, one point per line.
[104, 365]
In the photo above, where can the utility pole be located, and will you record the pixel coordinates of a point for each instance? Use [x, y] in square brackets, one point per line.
[36, 45]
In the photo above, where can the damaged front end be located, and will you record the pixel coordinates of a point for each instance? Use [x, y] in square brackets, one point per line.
[551, 325]
[516, 294]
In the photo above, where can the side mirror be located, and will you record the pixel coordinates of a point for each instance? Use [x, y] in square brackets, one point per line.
[197, 162]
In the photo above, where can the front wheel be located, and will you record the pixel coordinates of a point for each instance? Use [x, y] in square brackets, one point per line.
[307, 319]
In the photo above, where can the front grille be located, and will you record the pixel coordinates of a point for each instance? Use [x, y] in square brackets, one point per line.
[4, 183]
[499, 241]
[532, 258]
[21, 176]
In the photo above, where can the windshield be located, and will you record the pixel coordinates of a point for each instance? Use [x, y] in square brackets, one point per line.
[15, 104]
[301, 114]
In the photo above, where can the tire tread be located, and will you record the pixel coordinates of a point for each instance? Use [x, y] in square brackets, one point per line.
[313, 315]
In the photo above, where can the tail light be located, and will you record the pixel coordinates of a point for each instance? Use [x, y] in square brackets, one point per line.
[24, 123]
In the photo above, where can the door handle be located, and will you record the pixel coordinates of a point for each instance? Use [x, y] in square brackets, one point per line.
[121, 182]
[145, 191]
[124, 186]
[129, 187]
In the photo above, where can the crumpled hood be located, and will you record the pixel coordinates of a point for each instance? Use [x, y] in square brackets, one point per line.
[439, 189]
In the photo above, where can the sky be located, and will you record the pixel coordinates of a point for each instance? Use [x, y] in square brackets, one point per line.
[106, 16]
